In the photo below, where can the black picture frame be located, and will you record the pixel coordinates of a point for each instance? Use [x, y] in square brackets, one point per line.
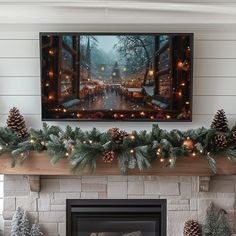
[70, 119]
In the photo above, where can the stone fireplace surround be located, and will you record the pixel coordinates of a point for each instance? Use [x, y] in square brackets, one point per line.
[49, 205]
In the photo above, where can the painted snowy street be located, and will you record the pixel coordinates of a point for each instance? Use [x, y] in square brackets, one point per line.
[110, 100]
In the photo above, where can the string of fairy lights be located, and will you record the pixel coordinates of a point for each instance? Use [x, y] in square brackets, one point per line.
[187, 143]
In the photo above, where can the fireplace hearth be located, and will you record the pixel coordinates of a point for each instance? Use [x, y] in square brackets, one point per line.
[116, 217]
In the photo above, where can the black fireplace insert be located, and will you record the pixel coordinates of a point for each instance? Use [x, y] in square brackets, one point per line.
[116, 217]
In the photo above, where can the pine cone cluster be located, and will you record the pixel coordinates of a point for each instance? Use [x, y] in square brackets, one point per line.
[117, 135]
[16, 122]
[108, 156]
[220, 141]
[220, 122]
[192, 228]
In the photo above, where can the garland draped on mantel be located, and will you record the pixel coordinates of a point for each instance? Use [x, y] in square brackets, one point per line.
[136, 150]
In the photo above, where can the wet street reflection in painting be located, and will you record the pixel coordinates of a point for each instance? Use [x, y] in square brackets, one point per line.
[110, 98]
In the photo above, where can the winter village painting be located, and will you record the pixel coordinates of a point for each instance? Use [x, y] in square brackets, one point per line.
[116, 76]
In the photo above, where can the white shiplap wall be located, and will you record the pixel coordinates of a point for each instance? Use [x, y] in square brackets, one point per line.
[214, 81]
[214, 53]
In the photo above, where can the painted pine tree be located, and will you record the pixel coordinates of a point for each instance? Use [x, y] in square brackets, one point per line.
[35, 230]
[16, 223]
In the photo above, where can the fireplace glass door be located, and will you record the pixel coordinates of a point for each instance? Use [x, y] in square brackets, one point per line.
[132, 225]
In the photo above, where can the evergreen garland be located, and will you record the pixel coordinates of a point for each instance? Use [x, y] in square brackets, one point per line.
[136, 150]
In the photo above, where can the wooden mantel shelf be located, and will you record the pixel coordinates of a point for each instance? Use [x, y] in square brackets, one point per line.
[39, 164]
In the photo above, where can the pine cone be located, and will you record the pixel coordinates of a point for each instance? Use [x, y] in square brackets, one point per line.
[220, 141]
[220, 122]
[117, 135]
[108, 156]
[16, 122]
[192, 228]
[234, 135]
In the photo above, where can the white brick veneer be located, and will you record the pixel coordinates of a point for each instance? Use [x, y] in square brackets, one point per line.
[184, 201]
